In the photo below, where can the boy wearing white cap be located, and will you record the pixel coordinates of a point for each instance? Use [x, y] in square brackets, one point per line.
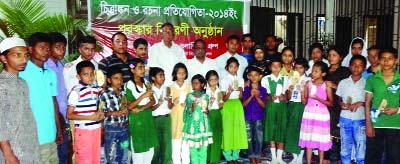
[18, 136]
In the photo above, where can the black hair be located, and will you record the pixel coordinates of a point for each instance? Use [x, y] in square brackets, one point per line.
[5, 52]
[232, 37]
[201, 79]
[140, 41]
[175, 71]
[113, 70]
[167, 24]
[211, 73]
[134, 62]
[153, 72]
[287, 48]
[357, 40]
[391, 50]
[38, 37]
[373, 47]
[257, 47]
[334, 48]
[231, 60]
[314, 46]
[324, 67]
[303, 62]
[270, 35]
[359, 57]
[278, 60]
[250, 69]
[86, 39]
[118, 33]
[199, 41]
[244, 36]
[57, 37]
[82, 65]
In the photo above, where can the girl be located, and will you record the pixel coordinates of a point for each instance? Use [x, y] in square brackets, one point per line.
[142, 130]
[179, 90]
[315, 124]
[259, 61]
[316, 52]
[214, 115]
[254, 97]
[196, 131]
[234, 135]
[276, 112]
[287, 59]
[335, 74]
[295, 110]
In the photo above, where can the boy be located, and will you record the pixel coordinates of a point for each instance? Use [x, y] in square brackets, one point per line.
[140, 46]
[18, 134]
[42, 84]
[82, 108]
[372, 57]
[382, 111]
[352, 116]
[116, 133]
[57, 52]
[247, 44]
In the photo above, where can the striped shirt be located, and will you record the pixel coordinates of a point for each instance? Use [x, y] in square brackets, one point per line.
[84, 98]
[113, 60]
[112, 102]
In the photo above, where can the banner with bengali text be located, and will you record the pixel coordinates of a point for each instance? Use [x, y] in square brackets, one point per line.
[211, 20]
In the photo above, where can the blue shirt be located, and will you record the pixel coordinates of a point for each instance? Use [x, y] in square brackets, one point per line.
[253, 111]
[42, 84]
[249, 57]
[62, 99]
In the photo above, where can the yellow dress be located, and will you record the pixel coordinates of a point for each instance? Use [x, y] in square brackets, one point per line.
[285, 72]
[179, 93]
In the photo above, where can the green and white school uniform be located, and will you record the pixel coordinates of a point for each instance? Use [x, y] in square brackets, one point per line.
[214, 115]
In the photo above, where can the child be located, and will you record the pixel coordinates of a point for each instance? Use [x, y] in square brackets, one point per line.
[234, 135]
[352, 116]
[162, 119]
[259, 61]
[82, 108]
[382, 110]
[214, 115]
[295, 111]
[316, 52]
[315, 124]
[254, 97]
[196, 131]
[373, 59]
[142, 130]
[287, 60]
[116, 134]
[179, 90]
[276, 110]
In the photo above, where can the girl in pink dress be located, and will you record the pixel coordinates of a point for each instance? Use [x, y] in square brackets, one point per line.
[315, 125]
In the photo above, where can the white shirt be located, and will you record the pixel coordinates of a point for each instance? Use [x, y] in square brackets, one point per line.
[130, 85]
[70, 73]
[164, 57]
[195, 67]
[163, 108]
[348, 88]
[210, 93]
[221, 63]
[227, 81]
[296, 94]
[265, 83]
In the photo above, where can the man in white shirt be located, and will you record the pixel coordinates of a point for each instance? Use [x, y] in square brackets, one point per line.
[232, 44]
[200, 64]
[166, 53]
[87, 48]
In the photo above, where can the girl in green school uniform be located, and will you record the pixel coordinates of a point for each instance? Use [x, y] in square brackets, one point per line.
[276, 110]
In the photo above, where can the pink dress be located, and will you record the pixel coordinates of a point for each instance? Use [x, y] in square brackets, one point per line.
[315, 125]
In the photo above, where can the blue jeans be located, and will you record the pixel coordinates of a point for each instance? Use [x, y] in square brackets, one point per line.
[116, 143]
[63, 148]
[352, 135]
[254, 137]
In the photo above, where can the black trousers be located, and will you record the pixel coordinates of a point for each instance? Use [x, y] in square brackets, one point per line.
[385, 141]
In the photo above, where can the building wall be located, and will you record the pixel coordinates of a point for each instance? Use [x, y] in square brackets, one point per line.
[56, 6]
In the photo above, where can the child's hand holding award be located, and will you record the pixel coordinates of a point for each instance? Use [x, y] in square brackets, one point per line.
[278, 92]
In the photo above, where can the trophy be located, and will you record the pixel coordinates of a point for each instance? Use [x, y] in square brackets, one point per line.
[296, 78]
[278, 92]
[124, 103]
[100, 79]
[349, 101]
[313, 90]
[182, 97]
[101, 106]
[219, 97]
[204, 105]
[383, 104]
[235, 84]
[149, 86]
[168, 92]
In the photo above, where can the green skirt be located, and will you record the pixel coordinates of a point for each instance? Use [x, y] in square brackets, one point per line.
[214, 150]
[295, 114]
[142, 131]
[234, 135]
[275, 121]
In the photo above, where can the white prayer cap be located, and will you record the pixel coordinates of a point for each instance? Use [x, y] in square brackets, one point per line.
[11, 43]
